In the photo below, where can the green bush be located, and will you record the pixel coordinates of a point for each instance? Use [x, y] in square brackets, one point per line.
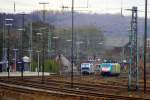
[33, 66]
[51, 66]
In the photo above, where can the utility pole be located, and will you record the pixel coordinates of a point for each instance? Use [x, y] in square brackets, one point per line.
[14, 7]
[38, 69]
[44, 11]
[72, 49]
[8, 50]
[23, 30]
[49, 42]
[4, 33]
[15, 58]
[30, 45]
[43, 48]
[4, 43]
[43, 57]
[20, 50]
[42, 40]
[55, 40]
[145, 45]
[20, 42]
[122, 8]
[8, 24]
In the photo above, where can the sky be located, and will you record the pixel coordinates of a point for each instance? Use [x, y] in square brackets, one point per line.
[93, 6]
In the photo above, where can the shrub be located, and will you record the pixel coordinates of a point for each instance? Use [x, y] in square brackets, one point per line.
[33, 66]
[51, 66]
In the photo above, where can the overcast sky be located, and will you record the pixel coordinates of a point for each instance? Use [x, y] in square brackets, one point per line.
[94, 6]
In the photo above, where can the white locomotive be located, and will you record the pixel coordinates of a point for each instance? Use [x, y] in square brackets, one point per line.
[87, 68]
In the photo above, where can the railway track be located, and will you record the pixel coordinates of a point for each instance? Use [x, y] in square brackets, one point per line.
[85, 79]
[80, 92]
[101, 83]
[99, 96]
[59, 84]
[64, 86]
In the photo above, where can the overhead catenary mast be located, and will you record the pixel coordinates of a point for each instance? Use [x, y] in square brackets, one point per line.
[4, 41]
[121, 7]
[145, 44]
[14, 7]
[49, 43]
[30, 45]
[44, 11]
[134, 56]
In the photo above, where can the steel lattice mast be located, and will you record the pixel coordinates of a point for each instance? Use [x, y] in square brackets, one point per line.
[133, 68]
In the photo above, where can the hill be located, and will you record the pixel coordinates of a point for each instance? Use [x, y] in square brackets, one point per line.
[114, 27]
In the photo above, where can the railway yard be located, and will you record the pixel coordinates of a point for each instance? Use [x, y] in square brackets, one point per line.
[89, 87]
[74, 50]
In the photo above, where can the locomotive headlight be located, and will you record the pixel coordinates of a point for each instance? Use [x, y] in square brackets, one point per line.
[106, 69]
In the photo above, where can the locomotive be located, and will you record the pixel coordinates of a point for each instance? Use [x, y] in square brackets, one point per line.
[109, 67]
[87, 68]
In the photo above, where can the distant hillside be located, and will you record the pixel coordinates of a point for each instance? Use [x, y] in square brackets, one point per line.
[113, 26]
[110, 24]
